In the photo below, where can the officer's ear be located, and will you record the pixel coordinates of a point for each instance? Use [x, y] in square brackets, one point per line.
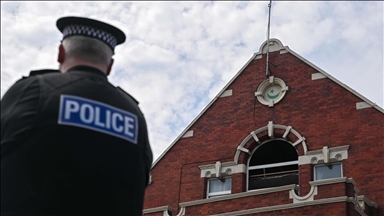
[110, 66]
[61, 55]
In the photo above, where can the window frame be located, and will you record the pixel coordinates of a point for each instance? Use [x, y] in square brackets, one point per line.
[272, 165]
[322, 165]
[219, 193]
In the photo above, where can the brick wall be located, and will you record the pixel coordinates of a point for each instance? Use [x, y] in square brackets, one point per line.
[320, 110]
[318, 210]
[323, 210]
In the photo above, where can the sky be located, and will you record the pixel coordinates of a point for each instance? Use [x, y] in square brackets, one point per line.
[179, 55]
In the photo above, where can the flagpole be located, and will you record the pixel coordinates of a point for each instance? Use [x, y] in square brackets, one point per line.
[269, 20]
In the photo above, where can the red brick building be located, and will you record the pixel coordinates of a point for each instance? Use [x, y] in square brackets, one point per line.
[293, 142]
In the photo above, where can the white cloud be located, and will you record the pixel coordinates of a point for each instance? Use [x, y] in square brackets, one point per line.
[179, 55]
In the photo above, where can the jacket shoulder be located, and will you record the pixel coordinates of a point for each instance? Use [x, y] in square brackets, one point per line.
[137, 102]
[44, 71]
[34, 73]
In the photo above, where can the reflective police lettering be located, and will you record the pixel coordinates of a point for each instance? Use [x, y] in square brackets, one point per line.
[114, 122]
[94, 115]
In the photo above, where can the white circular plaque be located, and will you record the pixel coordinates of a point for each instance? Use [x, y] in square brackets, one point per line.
[271, 91]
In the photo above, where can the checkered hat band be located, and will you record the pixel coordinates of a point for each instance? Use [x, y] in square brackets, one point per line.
[91, 32]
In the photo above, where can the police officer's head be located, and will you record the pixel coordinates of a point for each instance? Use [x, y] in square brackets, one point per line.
[87, 42]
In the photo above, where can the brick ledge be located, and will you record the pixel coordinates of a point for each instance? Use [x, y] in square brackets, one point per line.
[295, 205]
[157, 209]
[239, 195]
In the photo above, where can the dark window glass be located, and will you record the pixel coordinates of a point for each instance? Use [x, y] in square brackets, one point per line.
[328, 171]
[273, 164]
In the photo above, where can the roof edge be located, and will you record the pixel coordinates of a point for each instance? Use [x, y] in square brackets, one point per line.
[380, 109]
[205, 109]
[374, 105]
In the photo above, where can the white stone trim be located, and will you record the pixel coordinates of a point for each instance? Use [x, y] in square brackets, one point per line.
[188, 134]
[287, 130]
[316, 76]
[255, 137]
[226, 169]
[243, 150]
[357, 207]
[218, 169]
[239, 195]
[181, 212]
[367, 201]
[274, 45]
[315, 184]
[325, 155]
[227, 93]
[329, 181]
[270, 127]
[271, 81]
[283, 51]
[361, 203]
[150, 179]
[270, 130]
[163, 209]
[362, 105]
[306, 198]
[300, 140]
[260, 56]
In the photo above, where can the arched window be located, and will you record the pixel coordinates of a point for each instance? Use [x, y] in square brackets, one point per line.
[273, 164]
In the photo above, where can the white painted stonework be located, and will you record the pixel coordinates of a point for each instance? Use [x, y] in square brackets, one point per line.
[317, 76]
[283, 51]
[188, 134]
[274, 45]
[266, 92]
[163, 209]
[259, 57]
[306, 198]
[221, 169]
[362, 105]
[227, 93]
[270, 127]
[325, 155]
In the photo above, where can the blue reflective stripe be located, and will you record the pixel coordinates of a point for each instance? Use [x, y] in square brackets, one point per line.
[97, 116]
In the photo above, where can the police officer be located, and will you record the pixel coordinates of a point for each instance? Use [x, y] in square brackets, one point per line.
[72, 143]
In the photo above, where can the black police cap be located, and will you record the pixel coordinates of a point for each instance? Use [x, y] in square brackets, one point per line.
[107, 33]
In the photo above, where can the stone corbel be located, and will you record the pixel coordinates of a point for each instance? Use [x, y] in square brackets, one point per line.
[220, 170]
[299, 199]
[325, 155]
[181, 212]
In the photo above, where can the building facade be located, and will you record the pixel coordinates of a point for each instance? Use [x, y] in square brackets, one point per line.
[293, 141]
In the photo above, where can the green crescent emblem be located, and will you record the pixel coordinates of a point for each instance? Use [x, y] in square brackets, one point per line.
[272, 96]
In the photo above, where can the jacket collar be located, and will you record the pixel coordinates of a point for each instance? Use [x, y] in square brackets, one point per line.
[88, 69]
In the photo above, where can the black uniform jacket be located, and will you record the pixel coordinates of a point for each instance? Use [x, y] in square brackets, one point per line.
[72, 144]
